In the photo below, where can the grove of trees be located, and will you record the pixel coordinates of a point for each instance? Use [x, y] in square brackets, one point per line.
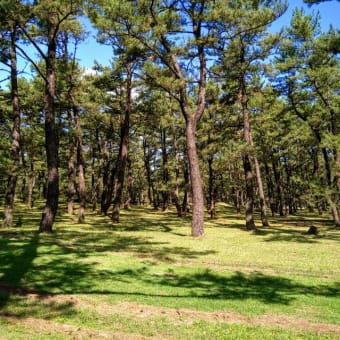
[201, 103]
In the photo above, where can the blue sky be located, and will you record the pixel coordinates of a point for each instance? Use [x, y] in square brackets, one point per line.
[329, 11]
[90, 50]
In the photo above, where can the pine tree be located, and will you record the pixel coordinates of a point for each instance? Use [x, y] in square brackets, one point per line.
[47, 20]
[11, 15]
[240, 60]
[309, 78]
[157, 27]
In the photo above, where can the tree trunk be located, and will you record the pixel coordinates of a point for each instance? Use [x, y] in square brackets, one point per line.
[80, 166]
[147, 157]
[31, 186]
[51, 135]
[211, 208]
[106, 170]
[250, 223]
[191, 120]
[165, 171]
[108, 187]
[71, 168]
[130, 196]
[197, 221]
[15, 148]
[96, 175]
[23, 177]
[336, 217]
[186, 198]
[176, 190]
[270, 187]
[263, 206]
[123, 148]
[337, 186]
[279, 203]
[331, 198]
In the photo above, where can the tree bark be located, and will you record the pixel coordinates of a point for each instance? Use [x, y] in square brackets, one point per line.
[147, 158]
[165, 171]
[250, 223]
[192, 117]
[123, 148]
[197, 228]
[186, 198]
[270, 187]
[263, 205]
[130, 196]
[176, 189]
[106, 170]
[80, 165]
[71, 168]
[15, 148]
[279, 203]
[31, 186]
[96, 175]
[51, 134]
[212, 207]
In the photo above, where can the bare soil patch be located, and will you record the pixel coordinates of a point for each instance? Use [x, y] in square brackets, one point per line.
[189, 316]
[45, 327]
[140, 312]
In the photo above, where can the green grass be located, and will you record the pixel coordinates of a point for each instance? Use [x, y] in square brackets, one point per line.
[80, 274]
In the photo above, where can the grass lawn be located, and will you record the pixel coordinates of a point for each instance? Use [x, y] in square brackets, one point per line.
[146, 277]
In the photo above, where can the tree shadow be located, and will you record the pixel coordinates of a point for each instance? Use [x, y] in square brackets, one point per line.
[16, 262]
[50, 265]
[298, 235]
[199, 285]
[294, 228]
[63, 263]
[239, 286]
[88, 242]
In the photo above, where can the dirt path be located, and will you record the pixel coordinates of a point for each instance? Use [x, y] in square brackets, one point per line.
[187, 316]
[46, 327]
[144, 312]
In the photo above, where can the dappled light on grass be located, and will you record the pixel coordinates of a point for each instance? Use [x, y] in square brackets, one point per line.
[150, 258]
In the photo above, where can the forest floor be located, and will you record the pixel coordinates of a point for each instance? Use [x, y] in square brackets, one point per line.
[147, 278]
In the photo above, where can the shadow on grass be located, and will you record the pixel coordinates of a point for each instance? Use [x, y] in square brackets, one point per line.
[16, 262]
[291, 235]
[239, 286]
[65, 263]
[43, 264]
[294, 230]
